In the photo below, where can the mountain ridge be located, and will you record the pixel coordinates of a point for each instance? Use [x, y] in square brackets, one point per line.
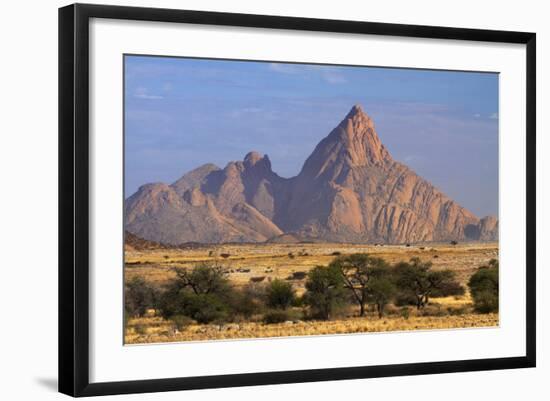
[350, 189]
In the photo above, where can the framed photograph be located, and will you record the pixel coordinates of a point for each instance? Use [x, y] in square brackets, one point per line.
[251, 199]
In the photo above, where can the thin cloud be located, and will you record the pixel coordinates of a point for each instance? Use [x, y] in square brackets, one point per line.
[283, 68]
[494, 116]
[143, 93]
[328, 74]
[244, 111]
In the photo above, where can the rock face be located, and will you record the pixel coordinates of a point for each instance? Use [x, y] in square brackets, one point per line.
[349, 190]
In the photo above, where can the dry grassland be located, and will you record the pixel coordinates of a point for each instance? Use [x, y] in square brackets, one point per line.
[248, 261]
[158, 330]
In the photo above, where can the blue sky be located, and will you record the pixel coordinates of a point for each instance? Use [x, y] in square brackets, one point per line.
[181, 113]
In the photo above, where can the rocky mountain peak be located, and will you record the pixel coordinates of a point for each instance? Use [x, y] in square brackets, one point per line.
[349, 190]
[357, 109]
[254, 158]
[354, 142]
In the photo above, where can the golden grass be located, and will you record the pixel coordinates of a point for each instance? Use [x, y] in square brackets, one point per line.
[156, 329]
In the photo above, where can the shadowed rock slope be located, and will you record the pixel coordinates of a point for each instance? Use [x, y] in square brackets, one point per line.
[350, 189]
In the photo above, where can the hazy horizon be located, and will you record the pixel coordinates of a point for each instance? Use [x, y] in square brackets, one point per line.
[182, 113]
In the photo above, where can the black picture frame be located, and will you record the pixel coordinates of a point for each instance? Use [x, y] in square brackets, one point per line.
[74, 198]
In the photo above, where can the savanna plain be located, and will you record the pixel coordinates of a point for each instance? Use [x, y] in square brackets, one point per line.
[280, 278]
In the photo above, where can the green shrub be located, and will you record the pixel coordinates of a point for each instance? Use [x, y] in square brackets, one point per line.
[484, 288]
[249, 301]
[324, 291]
[202, 293]
[206, 308]
[279, 294]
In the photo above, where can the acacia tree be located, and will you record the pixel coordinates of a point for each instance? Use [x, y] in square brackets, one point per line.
[202, 293]
[381, 288]
[356, 271]
[203, 279]
[417, 278]
[324, 290]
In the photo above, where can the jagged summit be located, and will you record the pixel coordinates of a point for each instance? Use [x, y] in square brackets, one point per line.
[350, 189]
[354, 142]
[252, 157]
[356, 109]
[255, 159]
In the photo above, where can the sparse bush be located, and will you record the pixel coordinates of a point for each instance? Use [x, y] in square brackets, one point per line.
[453, 242]
[291, 255]
[249, 301]
[433, 310]
[258, 279]
[225, 255]
[181, 322]
[457, 310]
[139, 296]
[484, 288]
[276, 316]
[405, 312]
[140, 329]
[336, 253]
[279, 294]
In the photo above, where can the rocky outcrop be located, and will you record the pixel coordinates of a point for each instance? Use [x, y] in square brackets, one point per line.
[350, 189]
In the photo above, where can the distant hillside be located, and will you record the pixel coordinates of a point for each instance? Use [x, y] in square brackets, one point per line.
[133, 242]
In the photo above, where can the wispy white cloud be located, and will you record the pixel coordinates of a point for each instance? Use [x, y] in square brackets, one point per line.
[477, 115]
[328, 74]
[284, 68]
[333, 77]
[494, 116]
[238, 113]
[143, 93]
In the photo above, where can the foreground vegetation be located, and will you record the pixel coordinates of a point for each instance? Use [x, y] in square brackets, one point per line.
[157, 329]
[352, 293]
